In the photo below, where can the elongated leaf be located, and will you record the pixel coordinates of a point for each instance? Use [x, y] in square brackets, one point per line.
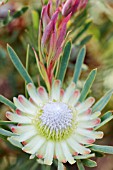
[89, 163]
[19, 66]
[102, 102]
[85, 40]
[80, 165]
[105, 119]
[5, 132]
[84, 156]
[64, 61]
[78, 65]
[10, 17]
[14, 142]
[88, 84]
[86, 26]
[6, 122]
[101, 148]
[7, 102]
[3, 137]
[35, 19]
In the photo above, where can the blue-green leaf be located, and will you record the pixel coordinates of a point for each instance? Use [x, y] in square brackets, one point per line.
[101, 148]
[64, 61]
[84, 156]
[88, 84]
[14, 142]
[7, 102]
[7, 122]
[19, 66]
[78, 66]
[80, 165]
[102, 102]
[105, 119]
[89, 163]
[5, 132]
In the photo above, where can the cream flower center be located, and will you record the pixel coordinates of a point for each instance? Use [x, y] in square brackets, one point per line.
[56, 121]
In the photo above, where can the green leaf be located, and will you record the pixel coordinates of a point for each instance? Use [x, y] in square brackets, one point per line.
[35, 19]
[78, 66]
[7, 102]
[14, 142]
[101, 148]
[88, 84]
[89, 163]
[10, 17]
[80, 165]
[85, 40]
[86, 26]
[19, 66]
[64, 61]
[84, 156]
[105, 119]
[102, 102]
[7, 122]
[5, 132]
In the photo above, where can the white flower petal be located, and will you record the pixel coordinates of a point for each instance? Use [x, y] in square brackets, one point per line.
[89, 124]
[48, 157]
[67, 153]
[85, 105]
[42, 93]
[83, 139]
[18, 118]
[55, 94]
[25, 136]
[68, 93]
[77, 147]
[28, 106]
[74, 98]
[83, 117]
[92, 134]
[33, 94]
[34, 145]
[21, 129]
[59, 153]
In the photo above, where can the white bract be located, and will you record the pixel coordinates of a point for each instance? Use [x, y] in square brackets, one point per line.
[54, 125]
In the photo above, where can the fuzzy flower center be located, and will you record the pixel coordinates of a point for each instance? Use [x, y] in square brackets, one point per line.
[56, 121]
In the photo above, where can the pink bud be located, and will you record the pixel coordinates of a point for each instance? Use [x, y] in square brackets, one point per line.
[72, 6]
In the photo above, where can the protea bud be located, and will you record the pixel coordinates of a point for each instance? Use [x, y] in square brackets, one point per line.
[72, 6]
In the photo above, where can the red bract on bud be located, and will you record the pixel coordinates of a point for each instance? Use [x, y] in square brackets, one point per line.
[72, 6]
[52, 33]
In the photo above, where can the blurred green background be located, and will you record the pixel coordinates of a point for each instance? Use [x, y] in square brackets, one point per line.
[94, 27]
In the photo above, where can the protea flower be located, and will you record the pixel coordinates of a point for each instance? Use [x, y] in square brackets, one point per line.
[72, 6]
[54, 125]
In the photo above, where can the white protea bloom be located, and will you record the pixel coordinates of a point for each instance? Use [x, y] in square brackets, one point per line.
[55, 125]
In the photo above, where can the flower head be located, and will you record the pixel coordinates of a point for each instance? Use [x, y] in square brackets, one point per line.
[55, 125]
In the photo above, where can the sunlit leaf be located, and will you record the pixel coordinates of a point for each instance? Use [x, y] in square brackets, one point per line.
[80, 165]
[78, 65]
[102, 102]
[89, 163]
[88, 84]
[7, 102]
[105, 119]
[101, 148]
[19, 66]
[64, 61]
